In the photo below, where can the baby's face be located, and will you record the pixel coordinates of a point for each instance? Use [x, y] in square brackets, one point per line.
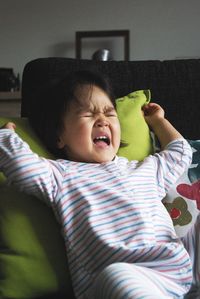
[91, 131]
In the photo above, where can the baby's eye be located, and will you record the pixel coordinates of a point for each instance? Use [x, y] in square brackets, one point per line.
[111, 114]
[88, 115]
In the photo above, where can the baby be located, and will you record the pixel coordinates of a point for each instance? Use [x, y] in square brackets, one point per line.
[119, 238]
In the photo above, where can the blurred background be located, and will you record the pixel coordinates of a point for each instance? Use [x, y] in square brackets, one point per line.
[159, 29]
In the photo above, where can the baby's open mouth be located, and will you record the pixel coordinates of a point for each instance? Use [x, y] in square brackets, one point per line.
[101, 139]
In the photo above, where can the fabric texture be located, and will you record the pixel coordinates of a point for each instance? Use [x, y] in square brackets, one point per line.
[134, 129]
[183, 199]
[140, 241]
[123, 280]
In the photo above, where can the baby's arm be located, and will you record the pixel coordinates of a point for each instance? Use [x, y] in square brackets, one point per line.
[24, 168]
[176, 153]
[164, 130]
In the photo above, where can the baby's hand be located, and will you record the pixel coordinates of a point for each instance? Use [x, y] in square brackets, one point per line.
[10, 126]
[152, 112]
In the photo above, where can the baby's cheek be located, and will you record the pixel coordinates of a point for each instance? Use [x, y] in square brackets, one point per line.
[118, 129]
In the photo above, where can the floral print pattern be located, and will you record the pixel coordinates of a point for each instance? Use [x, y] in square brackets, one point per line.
[183, 200]
[178, 210]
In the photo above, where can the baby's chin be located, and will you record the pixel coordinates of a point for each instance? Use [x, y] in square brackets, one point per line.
[102, 156]
[102, 160]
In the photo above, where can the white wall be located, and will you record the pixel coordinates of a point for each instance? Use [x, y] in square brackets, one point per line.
[159, 29]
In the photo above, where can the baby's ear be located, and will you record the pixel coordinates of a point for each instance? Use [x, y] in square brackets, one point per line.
[60, 143]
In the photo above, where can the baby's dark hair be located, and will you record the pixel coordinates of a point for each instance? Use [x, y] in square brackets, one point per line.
[47, 117]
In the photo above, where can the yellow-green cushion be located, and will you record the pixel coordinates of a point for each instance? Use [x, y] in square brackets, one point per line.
[33, 259]
[134, 130]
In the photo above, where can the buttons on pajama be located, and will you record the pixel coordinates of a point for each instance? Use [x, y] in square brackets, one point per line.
[183, 270]
[172, 246]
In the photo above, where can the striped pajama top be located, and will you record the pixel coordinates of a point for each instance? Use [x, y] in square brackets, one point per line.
[109, 212]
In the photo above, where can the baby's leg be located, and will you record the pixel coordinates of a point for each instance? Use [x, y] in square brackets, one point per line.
[192, 244]
[129, 281]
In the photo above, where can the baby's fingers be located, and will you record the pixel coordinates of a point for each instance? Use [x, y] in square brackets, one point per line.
[10, 126]
[150, 108]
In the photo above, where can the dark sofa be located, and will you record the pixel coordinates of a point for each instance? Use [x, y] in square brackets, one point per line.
[174, 84]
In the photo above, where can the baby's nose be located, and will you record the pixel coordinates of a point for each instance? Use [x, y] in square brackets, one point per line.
[101, 121]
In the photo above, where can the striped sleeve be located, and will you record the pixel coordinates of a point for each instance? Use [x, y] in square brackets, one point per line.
[171, 163]
[25, 169]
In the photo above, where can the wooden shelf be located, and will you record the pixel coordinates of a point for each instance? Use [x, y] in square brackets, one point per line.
[10, 95]
[10, 103]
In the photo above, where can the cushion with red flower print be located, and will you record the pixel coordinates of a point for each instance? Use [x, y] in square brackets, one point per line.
[183, 199]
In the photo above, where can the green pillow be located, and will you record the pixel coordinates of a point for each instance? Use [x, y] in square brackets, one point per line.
[33, 259]
[134, 130]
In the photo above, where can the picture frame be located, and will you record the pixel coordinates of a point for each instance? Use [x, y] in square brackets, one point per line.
[125, 34]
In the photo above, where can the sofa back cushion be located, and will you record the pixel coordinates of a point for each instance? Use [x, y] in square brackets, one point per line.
[174, 84]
